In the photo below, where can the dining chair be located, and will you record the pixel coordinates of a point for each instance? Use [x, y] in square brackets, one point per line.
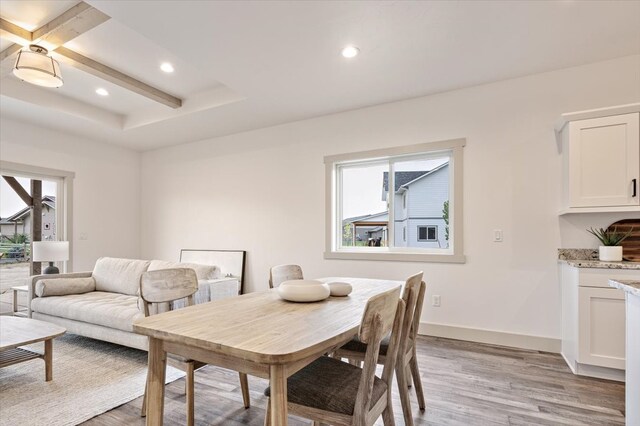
[337, 393]
[279, 274]
[157, 290]
[407, 363]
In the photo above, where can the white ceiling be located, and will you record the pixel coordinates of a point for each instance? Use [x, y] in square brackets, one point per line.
[246, 65]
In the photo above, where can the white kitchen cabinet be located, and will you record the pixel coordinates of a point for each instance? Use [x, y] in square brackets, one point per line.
[601, 328]
[601, 160]
[593, 321]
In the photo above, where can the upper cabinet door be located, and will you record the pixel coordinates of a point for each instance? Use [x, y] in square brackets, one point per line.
[604, 161]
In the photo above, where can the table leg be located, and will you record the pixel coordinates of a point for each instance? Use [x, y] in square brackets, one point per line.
[48, 360]
[15, 301]
[157, 369]
[278, 383]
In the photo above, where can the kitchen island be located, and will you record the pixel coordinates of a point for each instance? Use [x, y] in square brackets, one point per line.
[593, 313]
[632, 296]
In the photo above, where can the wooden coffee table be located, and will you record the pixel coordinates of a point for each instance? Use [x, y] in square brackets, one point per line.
[16, 332]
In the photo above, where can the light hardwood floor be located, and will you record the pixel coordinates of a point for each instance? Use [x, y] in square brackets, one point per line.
[465, 384]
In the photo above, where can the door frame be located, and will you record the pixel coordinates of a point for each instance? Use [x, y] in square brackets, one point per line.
[64, 197]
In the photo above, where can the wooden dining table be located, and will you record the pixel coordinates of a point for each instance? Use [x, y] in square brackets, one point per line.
[258, 334]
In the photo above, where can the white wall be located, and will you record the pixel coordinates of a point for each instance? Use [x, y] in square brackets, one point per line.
[106, 188]
[263, 191]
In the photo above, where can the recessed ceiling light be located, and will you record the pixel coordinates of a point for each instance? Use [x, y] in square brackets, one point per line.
[102, 92]
[166, 67]
[350, 52]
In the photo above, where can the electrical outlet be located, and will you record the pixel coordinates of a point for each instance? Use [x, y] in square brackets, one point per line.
[84, 236]
[497, 236]
[435, 300]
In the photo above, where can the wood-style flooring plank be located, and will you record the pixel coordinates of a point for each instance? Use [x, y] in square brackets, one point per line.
[465, 384]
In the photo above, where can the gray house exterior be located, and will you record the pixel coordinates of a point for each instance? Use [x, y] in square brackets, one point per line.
[419, 198]
[20, 222]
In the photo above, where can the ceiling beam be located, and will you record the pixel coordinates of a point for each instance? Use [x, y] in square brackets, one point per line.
[69, 25]
[116, 77]
[15, 33]
[11, 50]
[75, 21]
[65, 27]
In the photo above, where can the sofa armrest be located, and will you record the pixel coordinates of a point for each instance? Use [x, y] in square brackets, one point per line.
[32, 280]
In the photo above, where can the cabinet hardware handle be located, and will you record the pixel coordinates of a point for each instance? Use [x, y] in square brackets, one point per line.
[633, 183]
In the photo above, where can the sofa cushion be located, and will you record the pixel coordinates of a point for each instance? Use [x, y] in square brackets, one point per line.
[119, 275]
[111, 310]
[64, 286]
[203, 272]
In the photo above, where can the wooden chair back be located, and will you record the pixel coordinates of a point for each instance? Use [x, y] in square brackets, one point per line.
[417, 313]
[279, 274]
[166, 285]
[411, 296]
[384, 313]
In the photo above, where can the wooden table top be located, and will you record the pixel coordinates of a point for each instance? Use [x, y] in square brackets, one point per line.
[263, 328]
[16, 332]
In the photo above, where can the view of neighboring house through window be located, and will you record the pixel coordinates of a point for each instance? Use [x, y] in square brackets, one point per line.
[419, 199]
[420, 191]
[365, 215]
[16, 232]
[395, 203]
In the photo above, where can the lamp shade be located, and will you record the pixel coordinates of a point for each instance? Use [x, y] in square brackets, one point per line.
[50, 251]
[36, 67]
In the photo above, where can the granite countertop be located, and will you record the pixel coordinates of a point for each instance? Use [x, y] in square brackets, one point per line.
[630, 286]
[588, 258]
[603, 265]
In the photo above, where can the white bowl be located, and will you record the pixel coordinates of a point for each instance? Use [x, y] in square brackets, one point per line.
[303, 291]
[340, 289]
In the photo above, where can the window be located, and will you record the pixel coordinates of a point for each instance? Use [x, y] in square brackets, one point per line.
[57, 194]
[400, 203]
[427, 233]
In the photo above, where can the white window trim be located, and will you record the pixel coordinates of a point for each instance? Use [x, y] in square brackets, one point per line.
[64, 198]
[456, 255]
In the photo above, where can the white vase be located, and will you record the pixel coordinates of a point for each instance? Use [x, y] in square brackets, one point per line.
[610, 253]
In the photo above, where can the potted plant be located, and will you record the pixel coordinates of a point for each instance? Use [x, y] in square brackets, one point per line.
[610, 250]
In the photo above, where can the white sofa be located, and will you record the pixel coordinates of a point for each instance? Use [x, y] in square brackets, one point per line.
[103, 304]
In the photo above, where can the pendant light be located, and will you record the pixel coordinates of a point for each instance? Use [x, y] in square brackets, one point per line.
[35, 66]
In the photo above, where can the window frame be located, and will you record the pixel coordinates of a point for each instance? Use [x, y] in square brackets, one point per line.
[64, 199]
[427, 239]
[454, 254]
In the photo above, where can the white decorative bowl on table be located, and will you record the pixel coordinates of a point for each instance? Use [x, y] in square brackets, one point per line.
[339, 288]
[303, 290]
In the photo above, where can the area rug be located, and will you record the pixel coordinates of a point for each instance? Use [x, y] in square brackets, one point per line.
[90, 377]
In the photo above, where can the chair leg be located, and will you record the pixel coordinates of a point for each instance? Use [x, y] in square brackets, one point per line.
[244, 385]
[190, 394]
[403, 389]
[143, 411]
[387, 416]
[408, 376]
[267, 415]
[415, 372]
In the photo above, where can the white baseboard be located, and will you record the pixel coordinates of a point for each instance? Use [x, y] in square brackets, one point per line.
[569, 363]
[522, 341]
